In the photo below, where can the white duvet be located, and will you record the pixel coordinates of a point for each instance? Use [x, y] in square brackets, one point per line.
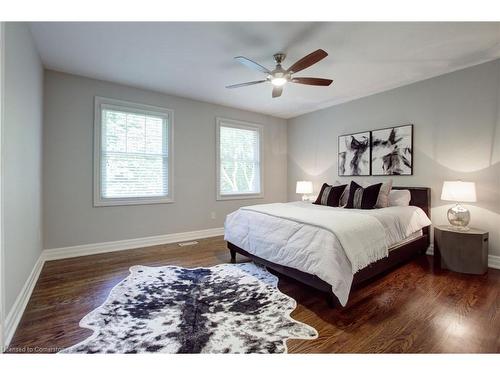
[331, 243]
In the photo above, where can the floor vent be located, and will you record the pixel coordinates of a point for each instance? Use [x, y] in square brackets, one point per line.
[190, 243]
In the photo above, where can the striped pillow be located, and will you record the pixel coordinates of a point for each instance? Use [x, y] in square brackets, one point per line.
[363, 198]
[330, 195]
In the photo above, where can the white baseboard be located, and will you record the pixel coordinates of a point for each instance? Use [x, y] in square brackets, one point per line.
[16, 312]
[106, 247]
[493, 260]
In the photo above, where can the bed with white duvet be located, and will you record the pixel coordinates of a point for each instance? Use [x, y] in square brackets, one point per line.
[331, 243]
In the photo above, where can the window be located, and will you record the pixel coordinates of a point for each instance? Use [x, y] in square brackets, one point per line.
[239, 156]
[133, 153]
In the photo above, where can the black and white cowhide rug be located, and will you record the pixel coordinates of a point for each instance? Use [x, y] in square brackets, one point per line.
[229, 308]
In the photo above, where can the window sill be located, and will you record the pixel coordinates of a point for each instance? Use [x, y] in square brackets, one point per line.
[131, 202]
[239, 197]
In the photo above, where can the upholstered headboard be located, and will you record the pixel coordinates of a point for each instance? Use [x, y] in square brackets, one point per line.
[420, 197]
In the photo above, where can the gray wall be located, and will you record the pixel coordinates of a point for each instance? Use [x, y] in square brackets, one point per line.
[21, 158]
[69, 217]
[456, 136]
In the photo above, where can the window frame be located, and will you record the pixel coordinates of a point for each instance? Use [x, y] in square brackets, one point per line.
[131, 107]
[225, 122]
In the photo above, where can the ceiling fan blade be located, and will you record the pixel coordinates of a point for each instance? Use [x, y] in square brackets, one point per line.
[308, 60]
[245, 84]
[277, 90]
[312, 81]
[252, 64]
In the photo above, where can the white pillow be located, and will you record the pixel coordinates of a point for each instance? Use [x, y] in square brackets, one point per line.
[399, 198]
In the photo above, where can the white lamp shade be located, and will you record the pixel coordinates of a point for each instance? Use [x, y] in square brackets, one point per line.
[458, 191]
[304, 187]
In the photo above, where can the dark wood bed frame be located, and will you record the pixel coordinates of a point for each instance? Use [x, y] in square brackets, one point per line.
[420, 197]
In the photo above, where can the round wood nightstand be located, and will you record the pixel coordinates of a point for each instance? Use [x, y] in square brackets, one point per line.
[461, 251]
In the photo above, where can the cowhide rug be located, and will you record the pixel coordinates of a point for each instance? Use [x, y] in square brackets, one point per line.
[229, 308]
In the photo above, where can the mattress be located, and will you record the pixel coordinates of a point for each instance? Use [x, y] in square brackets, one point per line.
[313, 248]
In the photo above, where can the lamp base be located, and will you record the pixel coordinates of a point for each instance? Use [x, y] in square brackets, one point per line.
[305, 198]
[459, 217]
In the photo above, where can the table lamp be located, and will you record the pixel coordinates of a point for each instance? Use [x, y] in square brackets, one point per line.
[459, 191]
[304, 188]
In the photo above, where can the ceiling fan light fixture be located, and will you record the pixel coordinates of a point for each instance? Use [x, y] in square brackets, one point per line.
[279, 76]
[278, 81]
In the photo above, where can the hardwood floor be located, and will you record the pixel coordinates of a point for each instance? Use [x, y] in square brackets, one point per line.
[412, 309]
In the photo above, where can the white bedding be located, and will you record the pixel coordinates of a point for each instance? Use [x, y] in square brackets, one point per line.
[321, 240]
[346, 225]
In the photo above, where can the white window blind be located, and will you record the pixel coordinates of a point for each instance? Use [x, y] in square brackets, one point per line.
[133, 155]
[239, 163]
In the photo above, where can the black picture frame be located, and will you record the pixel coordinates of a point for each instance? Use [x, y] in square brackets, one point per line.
[373, 139]
[339, 138]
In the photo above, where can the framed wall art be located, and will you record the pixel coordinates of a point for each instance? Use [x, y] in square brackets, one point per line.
[354, 154]
[392, 151]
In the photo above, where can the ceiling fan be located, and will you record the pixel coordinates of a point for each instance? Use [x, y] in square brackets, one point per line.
[279, 76]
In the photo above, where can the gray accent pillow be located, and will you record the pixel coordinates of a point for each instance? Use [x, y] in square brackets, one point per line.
[383, 195]
[344, 197]
[345, 194]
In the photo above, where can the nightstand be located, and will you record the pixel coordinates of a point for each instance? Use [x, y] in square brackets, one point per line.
[461, 251]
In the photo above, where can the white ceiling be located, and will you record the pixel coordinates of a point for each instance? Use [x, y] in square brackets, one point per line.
[195, 60]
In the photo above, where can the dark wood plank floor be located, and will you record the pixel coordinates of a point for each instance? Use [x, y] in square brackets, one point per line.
[411, 309]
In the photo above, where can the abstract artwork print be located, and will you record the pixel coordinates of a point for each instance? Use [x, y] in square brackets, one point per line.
[354, 154]
[392, 151]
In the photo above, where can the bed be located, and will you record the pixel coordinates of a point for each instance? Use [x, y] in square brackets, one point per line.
[327, 248]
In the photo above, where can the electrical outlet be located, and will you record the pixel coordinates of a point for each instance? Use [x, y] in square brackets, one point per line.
[213, 215]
